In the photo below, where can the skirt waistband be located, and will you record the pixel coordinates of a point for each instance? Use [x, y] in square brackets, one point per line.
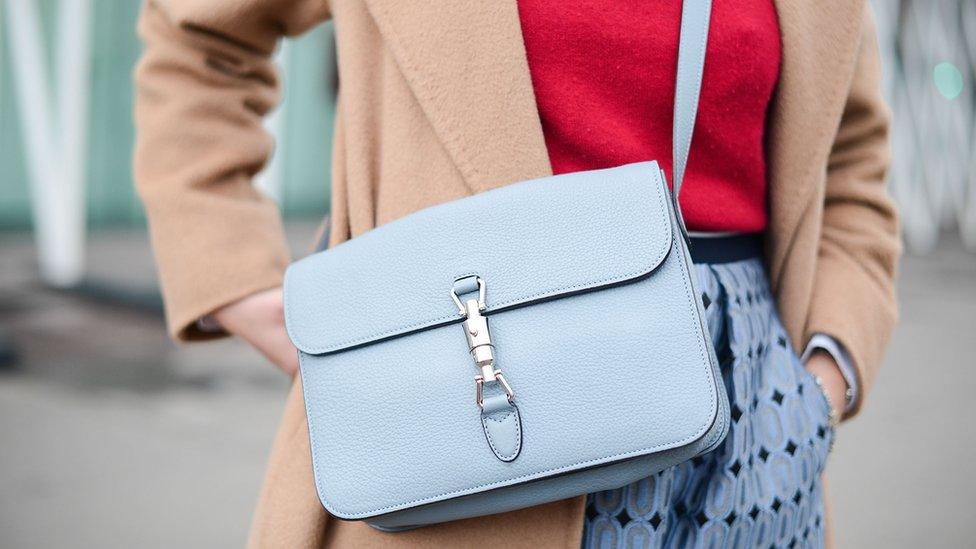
[726, 249]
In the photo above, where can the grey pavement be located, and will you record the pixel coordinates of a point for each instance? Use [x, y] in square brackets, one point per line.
[112, 436]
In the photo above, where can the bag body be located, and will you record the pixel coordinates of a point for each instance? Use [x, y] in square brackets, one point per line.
[594, 321]
[528, 344]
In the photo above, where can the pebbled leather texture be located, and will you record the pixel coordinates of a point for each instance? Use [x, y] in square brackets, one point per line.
[632, 351]
[529, 242]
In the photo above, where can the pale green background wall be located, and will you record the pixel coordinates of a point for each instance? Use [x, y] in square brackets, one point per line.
[309, 85]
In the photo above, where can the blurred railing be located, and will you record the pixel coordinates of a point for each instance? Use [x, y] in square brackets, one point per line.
[66, 129]
[929, 50]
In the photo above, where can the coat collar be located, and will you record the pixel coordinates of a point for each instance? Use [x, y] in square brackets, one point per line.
[478, 95]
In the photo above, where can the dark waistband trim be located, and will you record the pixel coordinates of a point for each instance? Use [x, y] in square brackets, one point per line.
[726, 249]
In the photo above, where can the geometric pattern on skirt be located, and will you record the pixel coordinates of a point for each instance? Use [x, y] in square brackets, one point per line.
[762, 486]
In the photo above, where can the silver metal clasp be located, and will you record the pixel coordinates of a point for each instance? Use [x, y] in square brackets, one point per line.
[480, 388]
[479, 338]
[479, 343]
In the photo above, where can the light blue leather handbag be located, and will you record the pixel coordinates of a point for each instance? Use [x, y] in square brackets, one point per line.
[597, 371]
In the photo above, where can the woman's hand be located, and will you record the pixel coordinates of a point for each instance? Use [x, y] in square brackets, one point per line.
[823, 365]
[259, 319]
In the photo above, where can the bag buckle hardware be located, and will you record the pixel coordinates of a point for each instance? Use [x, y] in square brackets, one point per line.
[479, 343]
[480, 385]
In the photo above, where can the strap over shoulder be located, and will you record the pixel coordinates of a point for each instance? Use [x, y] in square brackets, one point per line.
[695, 15]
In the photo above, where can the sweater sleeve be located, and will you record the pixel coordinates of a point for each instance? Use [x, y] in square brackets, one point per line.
[853, 295]
[203, 85]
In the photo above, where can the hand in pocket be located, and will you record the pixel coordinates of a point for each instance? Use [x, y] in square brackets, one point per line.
[821, 364]
[259, 319]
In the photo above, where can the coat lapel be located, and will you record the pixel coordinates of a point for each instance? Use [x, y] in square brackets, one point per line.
[465, 62]
[820, 40]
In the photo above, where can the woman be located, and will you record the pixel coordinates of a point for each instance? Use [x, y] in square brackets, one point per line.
[441, 100]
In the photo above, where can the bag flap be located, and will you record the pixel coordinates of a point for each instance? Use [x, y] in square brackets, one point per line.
[530, 241]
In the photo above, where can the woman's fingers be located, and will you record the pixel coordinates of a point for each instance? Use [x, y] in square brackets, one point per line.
[275, 345]
[259, 320]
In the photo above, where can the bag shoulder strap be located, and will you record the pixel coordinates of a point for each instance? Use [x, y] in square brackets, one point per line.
[695, 15]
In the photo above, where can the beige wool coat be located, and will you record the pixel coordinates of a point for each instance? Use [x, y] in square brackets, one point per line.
[435, 104]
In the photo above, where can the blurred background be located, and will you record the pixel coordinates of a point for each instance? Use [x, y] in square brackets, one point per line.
[112, 436]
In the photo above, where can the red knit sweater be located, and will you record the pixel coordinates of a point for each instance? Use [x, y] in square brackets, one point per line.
[603, 73]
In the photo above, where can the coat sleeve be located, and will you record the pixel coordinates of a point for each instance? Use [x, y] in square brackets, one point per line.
[853, 295]
[203, 85]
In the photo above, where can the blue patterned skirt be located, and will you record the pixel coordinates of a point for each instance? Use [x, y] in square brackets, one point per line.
[762, 486]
